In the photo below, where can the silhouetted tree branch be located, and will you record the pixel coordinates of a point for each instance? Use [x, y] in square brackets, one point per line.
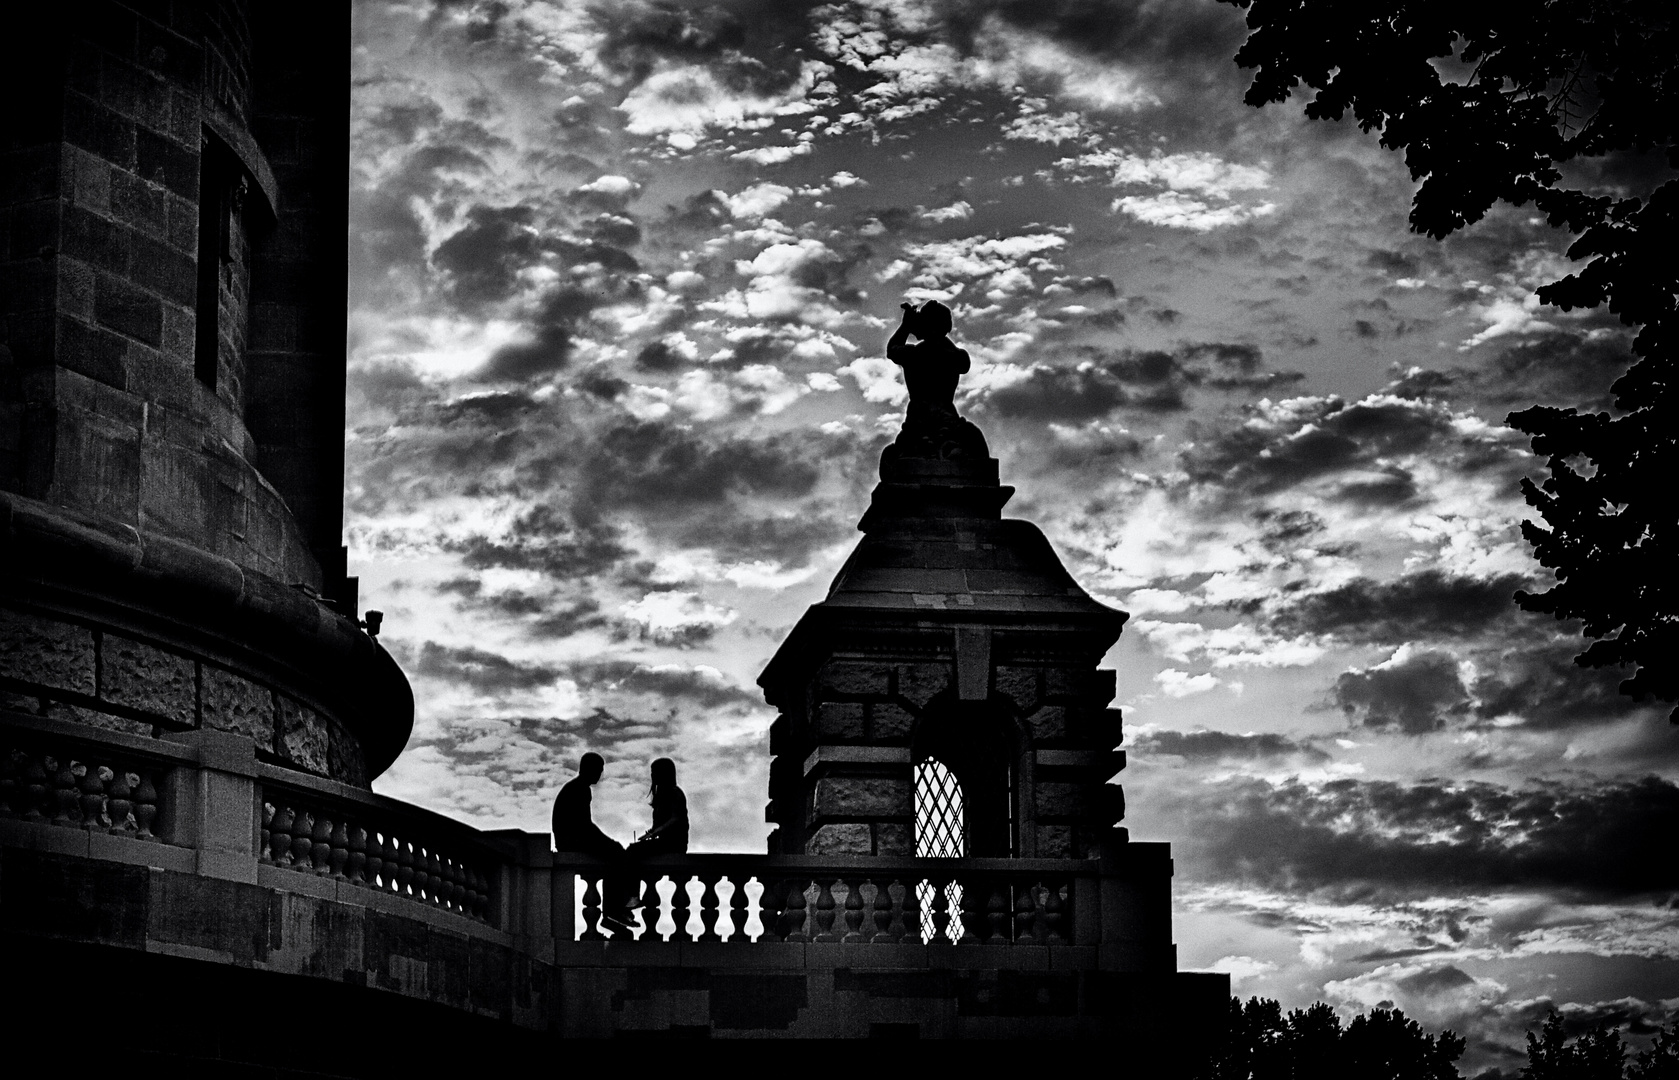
[1528, 88]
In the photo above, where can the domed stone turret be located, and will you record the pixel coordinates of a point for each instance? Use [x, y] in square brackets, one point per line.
[946, 687]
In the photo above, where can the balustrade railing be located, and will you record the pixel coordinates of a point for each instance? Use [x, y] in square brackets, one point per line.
[375, 848]
[807, 899]
[55, 777]
[80, 786]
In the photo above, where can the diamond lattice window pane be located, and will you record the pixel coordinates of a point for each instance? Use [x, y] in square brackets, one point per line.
[939, 832]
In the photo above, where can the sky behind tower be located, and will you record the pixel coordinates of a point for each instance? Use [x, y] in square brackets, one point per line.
[621, 280]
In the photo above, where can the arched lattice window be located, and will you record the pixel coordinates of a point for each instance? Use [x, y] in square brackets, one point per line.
[939, 829]
[940, 833]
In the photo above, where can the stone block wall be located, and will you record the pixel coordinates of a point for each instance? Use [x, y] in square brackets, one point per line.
[126, 123]
[119, 682]
[842, 777]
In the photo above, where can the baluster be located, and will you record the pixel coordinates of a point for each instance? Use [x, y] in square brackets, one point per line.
[145, 807]
[320, 845]
[393, 863]
[681, 908]
[1054, 915]
[825, 909]
[450, 889]
[591, 911]
[266, 854]
[1025, 913]
[853, 930]
[119, 802]
[912, 932]
[436, 887]
[772, 901]
[355, 862]
[279, 839]
[739, 908]
[972, 895]
[339, 851]
[414, 857]
[37, 789]
[997, 913]
[91, 783]
[65, 797]
[711, 903]
[938, 906]
[375, 860]
[882, 915]
[794, 915]
[11, 784]
[651, 908]
[422, 872]
[404, 867]
[302, 833]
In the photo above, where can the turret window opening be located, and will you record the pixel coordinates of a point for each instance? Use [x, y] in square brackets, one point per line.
[940, 833]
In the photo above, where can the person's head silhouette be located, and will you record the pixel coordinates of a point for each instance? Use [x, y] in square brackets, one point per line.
[663, 774]
[932, 320]
[591, 767]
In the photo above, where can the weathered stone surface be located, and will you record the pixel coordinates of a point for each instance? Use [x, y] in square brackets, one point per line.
[1018, 684]
[920, 683]
[1060, 800]
[24, 703]
[45, 652]
[841, 677]
[1055, 842]
[147, 678]
[893, 838]
[842, 720]
[890, 723]
[344, 757]
[238, 705]
[303, 736]
[1049, 722]
[855, 797]
[105, 721]
[839, 840]
[1063, 682]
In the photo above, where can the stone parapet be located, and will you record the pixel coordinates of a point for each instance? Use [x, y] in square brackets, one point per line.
[123, 630]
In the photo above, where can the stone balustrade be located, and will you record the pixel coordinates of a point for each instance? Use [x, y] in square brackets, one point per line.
[203, 803]
[359, 842]
[78, 784]
[845, 900]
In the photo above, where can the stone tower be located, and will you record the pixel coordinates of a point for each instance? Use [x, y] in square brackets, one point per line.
[944, 698]
[172, 324]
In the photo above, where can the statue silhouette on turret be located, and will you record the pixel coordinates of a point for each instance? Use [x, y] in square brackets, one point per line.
[932, 428]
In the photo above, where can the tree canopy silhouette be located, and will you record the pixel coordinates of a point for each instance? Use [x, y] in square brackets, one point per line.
[1312, 1044]
[1598, 1054]
[1531, 92]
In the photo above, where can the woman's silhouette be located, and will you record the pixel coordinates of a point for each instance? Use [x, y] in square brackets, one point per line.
[669, 834]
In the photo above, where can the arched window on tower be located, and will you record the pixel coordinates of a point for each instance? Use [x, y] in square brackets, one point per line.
[940, 833]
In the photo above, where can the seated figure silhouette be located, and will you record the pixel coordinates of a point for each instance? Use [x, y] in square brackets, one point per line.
[669, 834]
[932, 428]
[575, 830]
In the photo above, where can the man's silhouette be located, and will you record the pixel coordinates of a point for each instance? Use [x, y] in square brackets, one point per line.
[575, 830]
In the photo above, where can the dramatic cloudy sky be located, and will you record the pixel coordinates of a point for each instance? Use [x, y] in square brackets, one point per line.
[622, 274]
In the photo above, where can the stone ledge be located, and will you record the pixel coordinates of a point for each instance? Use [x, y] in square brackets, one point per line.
[856, 755]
